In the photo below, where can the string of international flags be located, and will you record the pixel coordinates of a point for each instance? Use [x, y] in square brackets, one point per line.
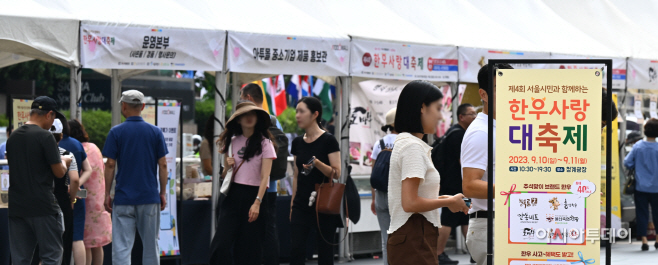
[278, 95]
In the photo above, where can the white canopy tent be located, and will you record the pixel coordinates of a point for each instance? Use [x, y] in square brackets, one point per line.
[271, 37]
[383, 46]
[549, 30]
[478, 36]
[39, 30]
[36, 29]
[7, 59]
[545, 29]
[609, 26]
[380, 33]
[642, 13]
[131, 37]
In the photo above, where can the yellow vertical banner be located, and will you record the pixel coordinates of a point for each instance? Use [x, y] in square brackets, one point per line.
[21, 111]
[614, 176]
[148, 114]
[548, 161]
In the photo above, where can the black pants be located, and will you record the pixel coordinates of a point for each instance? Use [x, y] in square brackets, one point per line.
[237, 241]
[271, 236]
[642, 201]
[302, 223]
[67, 238]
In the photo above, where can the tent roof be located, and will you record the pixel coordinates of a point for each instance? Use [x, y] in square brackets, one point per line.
[459, 23]
[368, 19]
[271, 17]
[642, 14]
[39, 29]
[546, 29]
[131, 13]
[602, 21]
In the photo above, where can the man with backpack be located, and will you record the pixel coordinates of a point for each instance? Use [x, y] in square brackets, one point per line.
[381, 155]
[254, 93]
[445, 157]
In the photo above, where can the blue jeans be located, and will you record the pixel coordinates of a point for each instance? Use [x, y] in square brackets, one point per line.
[642, 201]
[384, 218]
[145, 218]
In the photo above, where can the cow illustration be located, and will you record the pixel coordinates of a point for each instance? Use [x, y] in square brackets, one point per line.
[554, 203]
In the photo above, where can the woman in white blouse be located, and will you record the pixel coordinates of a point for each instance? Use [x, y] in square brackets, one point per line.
[413, 192]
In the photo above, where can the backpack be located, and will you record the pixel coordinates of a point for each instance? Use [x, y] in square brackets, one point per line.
[438, 155]
[379, 176]
[280, 164]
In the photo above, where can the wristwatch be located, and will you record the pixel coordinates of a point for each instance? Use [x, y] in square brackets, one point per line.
[259, 199]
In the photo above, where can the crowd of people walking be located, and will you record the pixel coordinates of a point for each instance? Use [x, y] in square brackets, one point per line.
[63, 205]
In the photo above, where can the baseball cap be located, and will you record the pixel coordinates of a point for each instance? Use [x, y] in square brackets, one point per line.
[390, 116]
[132, 96]
[47, 104]
[57, 127]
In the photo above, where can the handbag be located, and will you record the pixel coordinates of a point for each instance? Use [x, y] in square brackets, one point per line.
[629, 186]
[228, 177]
[329, 198]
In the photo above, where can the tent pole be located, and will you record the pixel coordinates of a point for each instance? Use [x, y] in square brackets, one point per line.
[454, 89]
[115, 97]
[75, 93]
[220, 109]
[342, 135]
[235, 91]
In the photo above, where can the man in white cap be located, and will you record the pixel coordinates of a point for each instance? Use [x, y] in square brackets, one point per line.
[379, 177]
[139, 149]
[35, 162]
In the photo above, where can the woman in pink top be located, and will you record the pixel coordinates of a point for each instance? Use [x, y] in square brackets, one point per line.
[98, 224]
[240, 227]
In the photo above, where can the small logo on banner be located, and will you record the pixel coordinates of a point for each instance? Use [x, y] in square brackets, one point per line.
[367, 59]
[339, 47]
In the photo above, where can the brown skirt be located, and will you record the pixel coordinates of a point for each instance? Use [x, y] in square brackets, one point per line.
[414, 243]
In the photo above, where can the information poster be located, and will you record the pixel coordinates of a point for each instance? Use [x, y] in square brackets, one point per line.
[168, 122]
[21, 111]
[370, 102]
[548, 140]
[614, 176]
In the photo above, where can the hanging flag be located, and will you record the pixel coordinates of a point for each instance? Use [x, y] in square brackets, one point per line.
[267, 87]
[306, 87]
[323, 91]
[280, 101]
[262, 85]
[295, 89]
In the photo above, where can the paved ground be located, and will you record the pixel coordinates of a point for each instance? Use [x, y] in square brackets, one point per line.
[622, 254]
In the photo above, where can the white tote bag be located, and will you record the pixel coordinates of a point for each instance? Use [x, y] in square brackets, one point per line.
[228, 179]
[226, 185]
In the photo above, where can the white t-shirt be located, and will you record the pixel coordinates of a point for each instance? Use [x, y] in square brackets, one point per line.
[389, 141]
[411, 158]
[474, 154]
